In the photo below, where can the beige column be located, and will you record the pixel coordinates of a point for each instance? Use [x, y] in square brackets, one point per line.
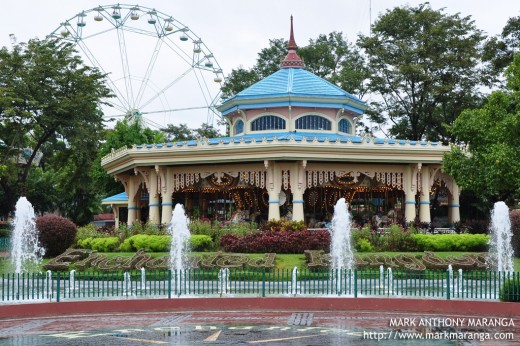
[298, 189]
[424, 203]
[453, 205]
[409, 195]
[274, 184]
[153, 203]
[167, 204]
[115, 211]
[132, 205]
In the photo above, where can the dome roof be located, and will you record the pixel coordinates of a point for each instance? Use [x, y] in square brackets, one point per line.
[296, 87]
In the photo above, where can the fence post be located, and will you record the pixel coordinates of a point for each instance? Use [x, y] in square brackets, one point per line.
[58, 288]
[448, 285]
[263, 282]
[169, 284]
[355, 283]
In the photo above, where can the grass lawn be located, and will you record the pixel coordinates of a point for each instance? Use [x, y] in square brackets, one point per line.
[283, 261]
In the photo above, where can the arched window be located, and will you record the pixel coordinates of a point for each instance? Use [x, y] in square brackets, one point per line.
[344, 126]
[268, 122]
[239, 127]
[312, 122]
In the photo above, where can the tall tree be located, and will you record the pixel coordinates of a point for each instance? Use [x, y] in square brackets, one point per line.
[178, 132]
[499, 50]
[207, 131]
[47, 98]
[424, 69]
[488, 162]
[329, 56]
[123, 134]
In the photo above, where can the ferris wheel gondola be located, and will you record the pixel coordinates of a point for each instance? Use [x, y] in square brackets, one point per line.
[159, 71]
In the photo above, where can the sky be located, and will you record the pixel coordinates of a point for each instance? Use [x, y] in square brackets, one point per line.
[234, 31]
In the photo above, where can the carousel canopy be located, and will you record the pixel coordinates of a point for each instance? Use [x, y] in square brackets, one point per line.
[293, 87]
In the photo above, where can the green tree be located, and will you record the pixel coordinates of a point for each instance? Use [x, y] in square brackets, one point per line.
[48, 99]
[329, 56]
[499, 50]
[123, 134]
[424, 68]
[177, 133]
[488, 161]
[333, 58]
[207, 131]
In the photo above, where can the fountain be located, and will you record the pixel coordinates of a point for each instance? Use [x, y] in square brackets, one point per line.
[26, 251]
[143, 279]
[48, 284]
[390, 279]
[382, 277]
[72, 280]
[223, 281]
[342, 256]
[179, 248]
[294, 281]
[127, 281]
[500, 249]
[459, 281]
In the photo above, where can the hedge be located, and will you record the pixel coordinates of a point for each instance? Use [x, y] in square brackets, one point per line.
[451, 242]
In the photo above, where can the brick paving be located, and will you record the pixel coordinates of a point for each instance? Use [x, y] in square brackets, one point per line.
[225, 328]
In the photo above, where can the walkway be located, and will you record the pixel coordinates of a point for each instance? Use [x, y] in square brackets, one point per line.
[267, 321]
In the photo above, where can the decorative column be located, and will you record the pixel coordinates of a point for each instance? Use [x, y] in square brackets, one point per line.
[153, 205]
[274, 184]
[115, 211]
[424, 203]
[409, 194]
[453, 205]
[132, 206]
[298, 189]
[167, 204]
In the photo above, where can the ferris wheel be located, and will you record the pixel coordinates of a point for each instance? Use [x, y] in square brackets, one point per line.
[159, 71]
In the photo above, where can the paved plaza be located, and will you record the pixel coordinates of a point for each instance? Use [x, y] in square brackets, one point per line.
[256, 327]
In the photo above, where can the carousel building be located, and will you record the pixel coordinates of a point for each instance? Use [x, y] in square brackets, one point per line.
[291, 154]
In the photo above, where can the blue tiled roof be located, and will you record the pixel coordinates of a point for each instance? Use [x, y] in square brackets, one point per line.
[120, 197]
[292, 82]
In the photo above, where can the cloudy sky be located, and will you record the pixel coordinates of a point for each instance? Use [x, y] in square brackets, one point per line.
[234, 30]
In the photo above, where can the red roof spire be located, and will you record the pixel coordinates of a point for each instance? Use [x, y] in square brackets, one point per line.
[292, 60]
[292, 43]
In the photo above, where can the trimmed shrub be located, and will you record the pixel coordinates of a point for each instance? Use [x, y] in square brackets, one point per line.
[200, 242]
[161, 243]
[510, 291]
[363, 245]
[277, 242]
[56, 234]
[452, 242]
[85, 243]
[107, 244]
[154, 243]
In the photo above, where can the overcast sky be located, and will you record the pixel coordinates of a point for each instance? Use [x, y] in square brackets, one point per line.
[236, 30]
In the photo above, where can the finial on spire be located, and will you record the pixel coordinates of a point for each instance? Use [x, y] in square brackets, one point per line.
[292, 43]
[292, 60]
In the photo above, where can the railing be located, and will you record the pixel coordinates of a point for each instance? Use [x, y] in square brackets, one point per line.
[60, 286]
